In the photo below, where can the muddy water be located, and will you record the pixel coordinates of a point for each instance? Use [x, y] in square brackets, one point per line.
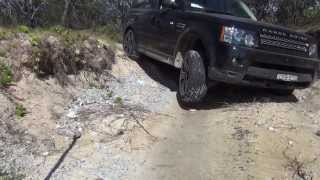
[256, 141]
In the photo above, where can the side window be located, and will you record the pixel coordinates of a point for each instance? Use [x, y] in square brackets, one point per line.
[155, 4]
[210, 4]
[145, 4]
[180, 3]
[198, 4]
[214, 4]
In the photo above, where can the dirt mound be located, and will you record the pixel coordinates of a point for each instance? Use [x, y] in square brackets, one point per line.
[47, 74]
[17, 51]
[67, 88]
[52, 57]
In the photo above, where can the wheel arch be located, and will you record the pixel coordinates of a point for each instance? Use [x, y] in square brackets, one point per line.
[192, 40]
[126, 30]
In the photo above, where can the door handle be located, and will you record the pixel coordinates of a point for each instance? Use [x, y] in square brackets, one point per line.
[133, 19]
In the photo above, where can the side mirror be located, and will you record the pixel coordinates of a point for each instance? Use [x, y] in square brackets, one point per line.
[169, 4]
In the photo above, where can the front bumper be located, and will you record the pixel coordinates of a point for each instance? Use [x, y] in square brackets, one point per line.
[254, 67]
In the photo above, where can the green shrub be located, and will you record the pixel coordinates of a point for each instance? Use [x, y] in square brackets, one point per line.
[68, 38]
[110, 94]
[58, 29]
[110, 32]
[35, 40]
[311, 13]
[3, 35]
[23, 29]
[20, 111]
[6, 76]
[118, 100]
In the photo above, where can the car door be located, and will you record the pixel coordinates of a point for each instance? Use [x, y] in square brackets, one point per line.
[166, 31]
[151, 25]
[168, 28]
[142, 12]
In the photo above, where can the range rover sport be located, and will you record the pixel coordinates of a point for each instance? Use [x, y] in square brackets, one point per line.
[220, 41]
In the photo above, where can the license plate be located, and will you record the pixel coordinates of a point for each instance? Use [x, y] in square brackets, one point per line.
[287, 77]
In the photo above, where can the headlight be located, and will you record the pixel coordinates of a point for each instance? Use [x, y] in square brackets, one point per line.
[238, 36]
[313, 50]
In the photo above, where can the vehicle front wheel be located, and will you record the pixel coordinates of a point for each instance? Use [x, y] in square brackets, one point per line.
[193, 79]
[130, 44]
[282, 92]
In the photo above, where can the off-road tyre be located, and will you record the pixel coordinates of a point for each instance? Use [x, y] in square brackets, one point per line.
[193, 79]
[130, 45]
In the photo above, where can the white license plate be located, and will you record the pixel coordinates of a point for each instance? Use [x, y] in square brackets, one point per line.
[287, 77]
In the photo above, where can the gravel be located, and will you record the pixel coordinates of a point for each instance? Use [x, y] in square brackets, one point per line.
[98, 111]
[138, 87]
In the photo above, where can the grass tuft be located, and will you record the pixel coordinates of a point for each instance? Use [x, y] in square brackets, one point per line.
[110, 94]
[109, 32]
[4, 35]
[35, 40]
[118, 100]
[23, 29]
[6, 76]
[21, 111]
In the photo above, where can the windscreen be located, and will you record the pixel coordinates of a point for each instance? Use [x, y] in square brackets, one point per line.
[240, 9]
[232, 7]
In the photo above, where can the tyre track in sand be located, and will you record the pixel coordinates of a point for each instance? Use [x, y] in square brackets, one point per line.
[238, 133]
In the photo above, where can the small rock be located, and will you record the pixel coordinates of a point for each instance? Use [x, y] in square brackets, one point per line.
[272, 129]
[52, 40]
[77, 51]
[118, 126]
[140, 82]
[318, 133]
[72, 114]
[77, 134]
[291, 143]
[80, 130]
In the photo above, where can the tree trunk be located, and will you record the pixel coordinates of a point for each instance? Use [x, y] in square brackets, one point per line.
[65, 12]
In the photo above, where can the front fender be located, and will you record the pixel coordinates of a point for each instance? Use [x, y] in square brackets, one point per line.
[189, 37]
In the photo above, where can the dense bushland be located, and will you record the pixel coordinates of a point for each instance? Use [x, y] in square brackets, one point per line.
[82, 14]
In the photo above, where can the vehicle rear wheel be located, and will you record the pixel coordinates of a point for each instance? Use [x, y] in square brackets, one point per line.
[130, 45]
[282, 92]
[193, 79]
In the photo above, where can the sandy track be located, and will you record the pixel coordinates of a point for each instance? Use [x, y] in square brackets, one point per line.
[238, 133]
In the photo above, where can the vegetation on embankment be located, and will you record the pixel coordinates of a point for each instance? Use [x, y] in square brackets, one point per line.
[41, 69]
[56, 51]
[106, 33]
